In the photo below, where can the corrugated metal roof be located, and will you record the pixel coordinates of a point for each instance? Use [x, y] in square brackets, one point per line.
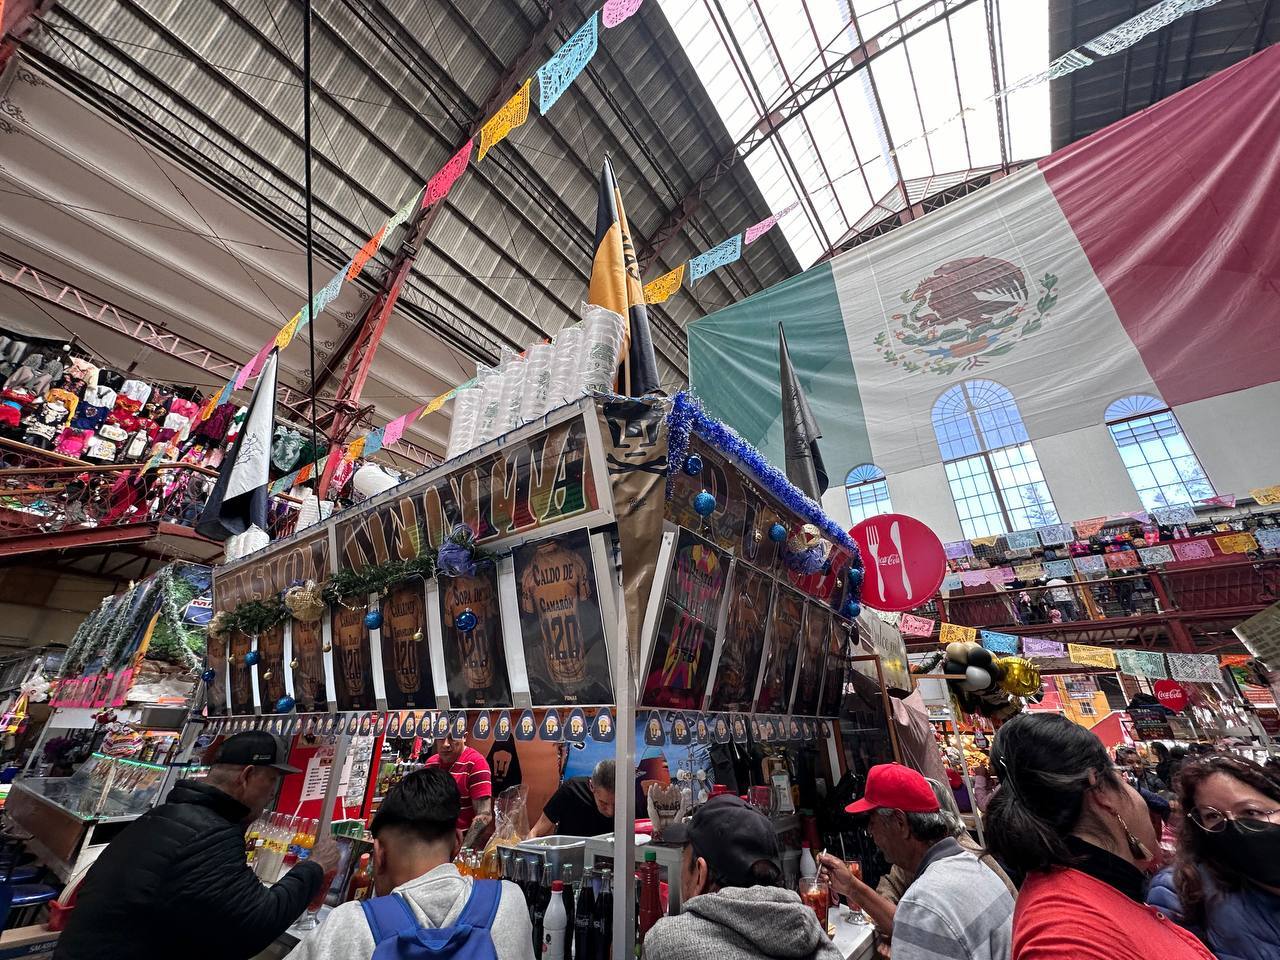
[397, 84]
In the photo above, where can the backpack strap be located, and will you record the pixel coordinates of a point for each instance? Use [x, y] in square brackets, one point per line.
[388, 916]
[482, 905]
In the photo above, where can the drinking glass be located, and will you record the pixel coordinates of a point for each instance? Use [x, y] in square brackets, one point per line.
[817, 894]
[856, 913]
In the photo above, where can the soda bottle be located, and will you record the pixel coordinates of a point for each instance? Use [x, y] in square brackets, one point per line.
[650, 900]
[566, 879]
[583, 913]
[554, 923]
[602, 919]
[541, 900]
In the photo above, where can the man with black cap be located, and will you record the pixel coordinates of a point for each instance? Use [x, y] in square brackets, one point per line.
[175, 882]
[734, 908]
[956, 908]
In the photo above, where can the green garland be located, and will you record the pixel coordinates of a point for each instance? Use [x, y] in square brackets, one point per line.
[376, 579]
[173, 640]
[255, 616]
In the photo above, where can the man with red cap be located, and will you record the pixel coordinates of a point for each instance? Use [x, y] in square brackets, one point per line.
[956, 908]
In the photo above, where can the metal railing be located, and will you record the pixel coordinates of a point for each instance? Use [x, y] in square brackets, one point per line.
[1220, 587]
[42, 492]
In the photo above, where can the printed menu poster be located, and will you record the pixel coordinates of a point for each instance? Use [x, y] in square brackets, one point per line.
[786, 620]
[271, 667]
[406, 660]
[352, 662]
[241, 675]
[474, 659]
[833, 682]
[308, 676]
[560, 622]
[681, 660]
[813, 653]
[743, 645]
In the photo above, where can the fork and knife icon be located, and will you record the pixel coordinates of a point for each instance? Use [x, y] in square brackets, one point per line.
[873, 545]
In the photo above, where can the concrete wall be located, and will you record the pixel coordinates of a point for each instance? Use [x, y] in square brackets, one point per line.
[1236, 437]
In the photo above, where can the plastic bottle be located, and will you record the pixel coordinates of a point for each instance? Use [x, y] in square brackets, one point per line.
[583, 913]
[650, 897]
[602, 919]
[808, 866]
[554, 923]
[253, 840]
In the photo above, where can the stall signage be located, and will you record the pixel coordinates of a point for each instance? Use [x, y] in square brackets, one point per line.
[1150, 723]
[305, 559]
[529, 484]
[1171, 694]
[904, 561]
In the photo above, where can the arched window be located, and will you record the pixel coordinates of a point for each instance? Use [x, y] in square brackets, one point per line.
[1161, 464]
[868, 492]
[991, 466]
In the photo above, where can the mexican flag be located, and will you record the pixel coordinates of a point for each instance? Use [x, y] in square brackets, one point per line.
[1143, 259]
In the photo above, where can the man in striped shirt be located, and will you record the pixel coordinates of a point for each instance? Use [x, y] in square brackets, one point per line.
[470, 771]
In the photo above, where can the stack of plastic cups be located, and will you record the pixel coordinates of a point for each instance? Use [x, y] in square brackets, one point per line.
[603, 332]
[466, 414]
[566, 378]
[488, 423]
[513, 374]
[537, 382]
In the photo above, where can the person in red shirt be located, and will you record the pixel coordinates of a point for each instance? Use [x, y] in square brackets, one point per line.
[470, 771]
[1065, 820]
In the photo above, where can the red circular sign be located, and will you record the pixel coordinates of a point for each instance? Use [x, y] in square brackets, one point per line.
[1171, 694]
[902, 560]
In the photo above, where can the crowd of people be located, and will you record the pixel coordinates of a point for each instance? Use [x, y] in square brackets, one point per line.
[1073, 867]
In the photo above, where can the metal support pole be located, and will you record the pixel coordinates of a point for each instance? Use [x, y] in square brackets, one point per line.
[624, 783]
[306, 147]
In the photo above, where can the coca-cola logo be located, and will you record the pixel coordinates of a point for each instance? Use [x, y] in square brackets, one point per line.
[1171, 694]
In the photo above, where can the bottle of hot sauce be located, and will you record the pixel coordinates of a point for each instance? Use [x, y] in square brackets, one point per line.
[650, 896]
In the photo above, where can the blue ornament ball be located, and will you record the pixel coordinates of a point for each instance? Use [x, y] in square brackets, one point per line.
[852, 609]
[854, 576]
[284, 705]
[209, 675]
[252, 658]
[465, 621]
[373, 619]
[704, 504]
[693, 465]
[777, 533]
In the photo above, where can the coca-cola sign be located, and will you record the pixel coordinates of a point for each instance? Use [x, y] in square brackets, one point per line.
[1171, 694]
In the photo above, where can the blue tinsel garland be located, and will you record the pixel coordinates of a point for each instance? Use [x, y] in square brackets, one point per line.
[687, 416]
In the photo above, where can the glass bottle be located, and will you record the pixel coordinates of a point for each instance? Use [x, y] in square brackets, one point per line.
[566, 877]
[584, 911]
[602, 918]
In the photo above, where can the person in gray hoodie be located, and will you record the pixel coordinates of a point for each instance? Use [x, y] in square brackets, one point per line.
[415, 839]
[734, 908]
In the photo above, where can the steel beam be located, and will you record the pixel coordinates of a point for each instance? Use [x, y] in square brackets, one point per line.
[361, 342]
[16, 18]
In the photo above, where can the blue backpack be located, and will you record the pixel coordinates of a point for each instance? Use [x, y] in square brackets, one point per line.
[399, 936]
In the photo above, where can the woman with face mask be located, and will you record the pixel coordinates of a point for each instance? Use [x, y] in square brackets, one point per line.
[1225, 884]
[1081, 837]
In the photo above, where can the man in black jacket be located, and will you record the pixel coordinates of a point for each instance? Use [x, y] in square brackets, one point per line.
[175, 883]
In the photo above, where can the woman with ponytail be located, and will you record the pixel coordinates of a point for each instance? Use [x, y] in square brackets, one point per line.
[1080, 837]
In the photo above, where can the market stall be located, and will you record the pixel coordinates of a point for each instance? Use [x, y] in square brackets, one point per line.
[619, 578]
[117, 735]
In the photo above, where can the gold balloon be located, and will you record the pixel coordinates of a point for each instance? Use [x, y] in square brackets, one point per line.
[1021, 678]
